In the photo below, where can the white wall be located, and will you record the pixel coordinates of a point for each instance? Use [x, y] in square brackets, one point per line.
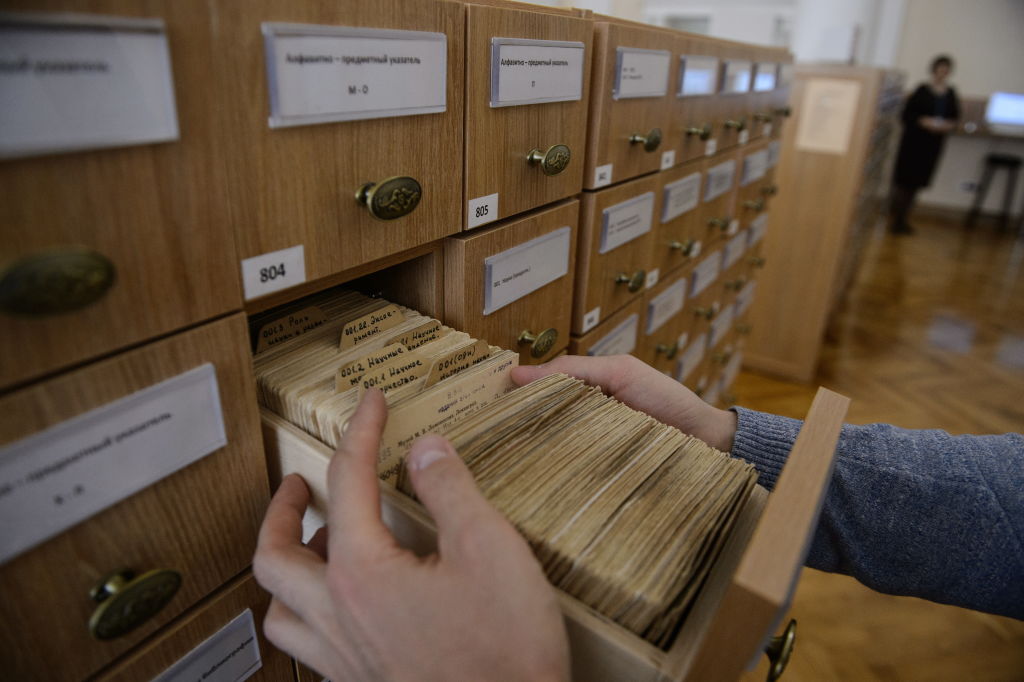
[751, 21]
[986, 39]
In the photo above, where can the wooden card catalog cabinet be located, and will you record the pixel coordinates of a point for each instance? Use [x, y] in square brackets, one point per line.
[631, 102]
[667, 323]
[679, 235]
[717, 210]
[113, 223]
[527, 88]
[615, 250]
[756, 182]
[344, 124]
[694, 114]
[762, 96]
[733, 101]
[618, 335]
[511, 284]
[133, 477]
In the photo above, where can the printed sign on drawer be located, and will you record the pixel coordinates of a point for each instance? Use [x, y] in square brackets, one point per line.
[705, 273]
[665, 305]
[319, 74]
[745, 298]
[626, 221]
[691, 357]
[721, 324]
[758, 226]
[737, 76]
[232, 654]
[72, 82]
[59, 477]
[698, 75]
[720, 179]
[754, 167]
[732, 370]
[774, 149]
[512, 274]
[733, 250]
[640, 73]
[535, 71]
[681, 196]
[619, 341]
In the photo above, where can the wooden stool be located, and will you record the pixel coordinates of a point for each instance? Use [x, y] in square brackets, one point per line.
[994, 162]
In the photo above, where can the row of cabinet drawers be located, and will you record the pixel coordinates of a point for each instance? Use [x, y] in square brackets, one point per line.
[248, 197]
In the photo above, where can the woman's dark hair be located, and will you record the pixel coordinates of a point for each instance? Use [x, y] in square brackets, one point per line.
[942, 60]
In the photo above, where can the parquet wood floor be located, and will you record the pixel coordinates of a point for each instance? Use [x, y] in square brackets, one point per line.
[931, 336]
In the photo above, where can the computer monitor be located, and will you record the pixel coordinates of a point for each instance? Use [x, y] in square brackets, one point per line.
[1005, 113]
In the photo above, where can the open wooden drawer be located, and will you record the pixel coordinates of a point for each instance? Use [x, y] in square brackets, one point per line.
[739, 607]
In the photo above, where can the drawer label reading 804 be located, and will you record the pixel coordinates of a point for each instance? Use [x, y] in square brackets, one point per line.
[535, 71]
[320, 74]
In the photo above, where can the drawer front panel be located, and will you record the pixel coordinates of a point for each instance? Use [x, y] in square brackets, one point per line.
[143, 229]
[679, 236]
[620, 333]
[200, 521]
[500, 136]
[519, 251]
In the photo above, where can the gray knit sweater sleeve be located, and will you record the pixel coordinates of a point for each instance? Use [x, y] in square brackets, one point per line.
[919, 513]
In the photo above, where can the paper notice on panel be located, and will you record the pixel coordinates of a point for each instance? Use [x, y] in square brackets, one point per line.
[705, 273]
[733, 250]
[232, 654]
[721, 325]
[736, 76]
[59, 477]
[512, 274]
[318, 74]
[720, 179]
[626, 221]
[665, 305]
[698, 75]
[640, 73]
[774, 150]
[72, 82]
[827, 113]
[691, 357]
[681, 196]
[754, 167]
[535, 71]
[764, 76]
[744, 298]
[619, 341]
[758, 226]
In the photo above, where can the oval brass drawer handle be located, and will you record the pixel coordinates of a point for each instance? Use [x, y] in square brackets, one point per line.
[690, 248]
[756, 205]
[736, 284]
[703, 132]
[553, 161]
[721, 358]
[743, 328]
[784, 111]
[55, 281]
[127, 601]
[770, 190]
[779, 650]
[763, 116]
[669, 351]
[720, 223]
[738, 124]
[635, 281]
[650, 141]
[391, 198]
[757, 261]
[540, 344]
[707, 313]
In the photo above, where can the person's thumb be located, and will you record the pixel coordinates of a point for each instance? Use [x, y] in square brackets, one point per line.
[446, 488]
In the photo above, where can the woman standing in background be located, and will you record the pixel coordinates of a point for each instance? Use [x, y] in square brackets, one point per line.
[928, 116]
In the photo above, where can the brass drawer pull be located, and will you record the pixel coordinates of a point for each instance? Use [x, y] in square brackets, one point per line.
[757, 261]
[779, 650]
[784, 111]
[743, 328]
[763, 116]
[126, 601]
[704, 132]
[540, 344]
[757, 205]
[690, 248]
[770, 190]
[721, 223]
[55, 281]
[650, 141]
[707, 313]
[721, 358]
[736, 284]
[391, 198]
[738, 124]
[669, 351]
[553, 161]
[635, 281]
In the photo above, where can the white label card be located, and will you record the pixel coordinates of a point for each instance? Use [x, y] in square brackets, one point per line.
[665, 305]
[754, 167]
[734, 227]
[705, 273]
[591, 319]
[274, 271]
[70, 82]
[59, 477]
[736, 76]
[743, 137]
[710, 147]
[698, 75]
[766, 130]
[652, 278]
[603, 175]
[691, 357]
[745, 298]
[720, 179]
[626, 221]
[319, 74]
[758, 226]
[231, 654]
[681, 197]
[535, 71]
[720, 325]
[668, 159]
[512, 274]
[765, 75]
[734, 251]
[619, 341]
[774, 150]
[482, 210]
[640, 73]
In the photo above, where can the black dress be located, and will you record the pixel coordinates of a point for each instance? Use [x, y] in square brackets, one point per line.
[919, 148]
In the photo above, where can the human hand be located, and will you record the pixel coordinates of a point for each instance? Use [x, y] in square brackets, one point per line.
[643, 388]
[354, 605]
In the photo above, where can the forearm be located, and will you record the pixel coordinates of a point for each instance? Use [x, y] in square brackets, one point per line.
[919, 513]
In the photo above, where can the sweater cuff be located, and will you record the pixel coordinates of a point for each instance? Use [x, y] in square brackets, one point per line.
[764, 440]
